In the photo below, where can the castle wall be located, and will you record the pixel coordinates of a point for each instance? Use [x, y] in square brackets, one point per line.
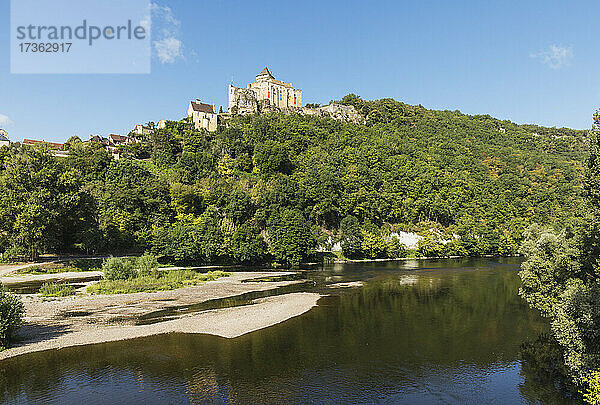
[245, 101]
[279, 95]
[265, 89]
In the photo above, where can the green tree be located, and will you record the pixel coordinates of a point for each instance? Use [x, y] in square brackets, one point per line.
[373, 245]
[239, 207]
[248, 246]
[351, 237]
[291, 238]
[191, 240]
[72, 141]
[186, 199]
[394, 248]
[132, 200]
[166, 148]
[576, 325]
[272, 156]
[44, 206]
[592, 394]
[561, 276]
[397, 164]
[430, 246]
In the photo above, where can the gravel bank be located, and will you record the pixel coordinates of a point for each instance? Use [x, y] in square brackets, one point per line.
[89, 319]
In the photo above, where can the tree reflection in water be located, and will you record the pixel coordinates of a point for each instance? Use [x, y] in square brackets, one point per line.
[431, 331]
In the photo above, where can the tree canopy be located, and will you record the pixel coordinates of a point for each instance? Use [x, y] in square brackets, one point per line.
[561, 275]
[267, 187]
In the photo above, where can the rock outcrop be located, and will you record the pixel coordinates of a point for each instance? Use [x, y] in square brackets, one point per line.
[346, 113]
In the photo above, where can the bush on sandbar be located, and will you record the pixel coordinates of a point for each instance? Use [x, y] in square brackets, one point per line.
[56, 290]
[11, 317]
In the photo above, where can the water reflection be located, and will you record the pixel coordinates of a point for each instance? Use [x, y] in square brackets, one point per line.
[418, 332]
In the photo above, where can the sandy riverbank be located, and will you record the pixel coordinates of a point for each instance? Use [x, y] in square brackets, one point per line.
[88, 319]
[7, 269]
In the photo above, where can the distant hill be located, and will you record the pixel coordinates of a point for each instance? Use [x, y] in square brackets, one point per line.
[471, 167]
[274, 186]
[408, 168]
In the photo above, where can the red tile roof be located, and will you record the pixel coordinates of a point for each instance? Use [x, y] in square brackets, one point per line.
[53, 145]
[201, 107]
[118, 138]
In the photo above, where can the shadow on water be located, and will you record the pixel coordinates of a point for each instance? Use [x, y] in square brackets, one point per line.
[300, 275]
[33, 287]
[543, 362]
[250, 298]
[416, 333]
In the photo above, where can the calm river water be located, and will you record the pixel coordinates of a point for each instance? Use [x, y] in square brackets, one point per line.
[418, 332]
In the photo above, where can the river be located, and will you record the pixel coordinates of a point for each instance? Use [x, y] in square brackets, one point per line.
[417, 332]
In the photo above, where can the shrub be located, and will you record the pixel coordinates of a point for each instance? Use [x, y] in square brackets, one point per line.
[592, 396]
[373, 245]
[116, 268]
[11, 317]
[84, 264]
[146, 264]
[430, 246]
[455, 247]
[163, 281]
[4, 258]
[56, 290]
[48, 269]
[394, 248]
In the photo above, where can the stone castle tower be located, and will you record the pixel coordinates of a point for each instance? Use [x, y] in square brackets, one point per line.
[267, 92]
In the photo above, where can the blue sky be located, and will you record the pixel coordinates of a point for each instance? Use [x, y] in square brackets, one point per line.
[526, 61]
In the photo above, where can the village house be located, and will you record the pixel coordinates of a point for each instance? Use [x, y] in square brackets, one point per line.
[56, 149]
[4, 141]
[51, 145]
[120, 140]
[204, 116]
[141, 129]
[99, 139]
[112, 143]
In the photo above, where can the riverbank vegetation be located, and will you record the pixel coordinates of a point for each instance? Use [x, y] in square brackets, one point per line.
[56, 290]
[592, 393]
[142, 274]
[11, 317]
[53, 268]
[160, 281]
[278, 188]
[561, 277]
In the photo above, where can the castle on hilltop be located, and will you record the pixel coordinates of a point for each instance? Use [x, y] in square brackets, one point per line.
[266, 92]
